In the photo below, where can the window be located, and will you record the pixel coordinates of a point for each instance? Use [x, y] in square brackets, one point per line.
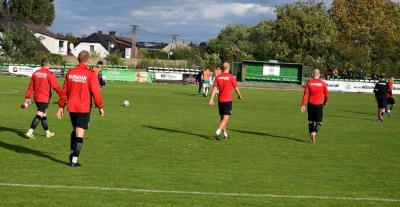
[61, 46]
[91, 48]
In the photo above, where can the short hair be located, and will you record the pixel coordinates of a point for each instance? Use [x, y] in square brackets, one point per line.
[83, 56]
[100, 62]
[383, 75]
[45, 62]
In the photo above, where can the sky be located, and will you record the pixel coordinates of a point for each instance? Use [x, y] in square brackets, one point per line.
[192, 20]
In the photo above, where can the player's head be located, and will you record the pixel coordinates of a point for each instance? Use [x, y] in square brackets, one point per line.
[100, 63]
[226, 66]
[383, 76]
[391, 79]
[316, 73]
[84, 57]
[217, 68]
[45, 63]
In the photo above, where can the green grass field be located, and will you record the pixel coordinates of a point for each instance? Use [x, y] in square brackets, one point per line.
[160, 151]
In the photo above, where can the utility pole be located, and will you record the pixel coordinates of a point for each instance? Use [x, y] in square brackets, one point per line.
[174, 41]
[133, 52]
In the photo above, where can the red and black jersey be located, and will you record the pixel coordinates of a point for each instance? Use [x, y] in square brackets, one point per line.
[317, 92]
[41, 83]
[79, 86]
[225, 82]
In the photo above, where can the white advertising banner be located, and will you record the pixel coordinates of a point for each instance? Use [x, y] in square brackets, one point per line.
[22, 70]
[271, 70]
[361, 87]
[169, 76]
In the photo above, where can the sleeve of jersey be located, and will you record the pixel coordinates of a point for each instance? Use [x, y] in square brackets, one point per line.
[29, 90]
[54, 85]
[63, 97]
[95, 89]
[303, 101]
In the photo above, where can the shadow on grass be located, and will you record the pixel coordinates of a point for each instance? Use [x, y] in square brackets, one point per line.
[177, 131]
[18, 132]
[269, 135]
[356, 112]
[348, 117]
[188, 94]
[25, 150]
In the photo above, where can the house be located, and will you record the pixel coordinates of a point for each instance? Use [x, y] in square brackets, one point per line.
[104, 44]
[50, 43]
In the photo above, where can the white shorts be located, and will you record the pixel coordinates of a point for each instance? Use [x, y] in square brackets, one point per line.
[205, 85]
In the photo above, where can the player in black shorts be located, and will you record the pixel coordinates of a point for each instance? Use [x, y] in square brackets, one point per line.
[381, 91]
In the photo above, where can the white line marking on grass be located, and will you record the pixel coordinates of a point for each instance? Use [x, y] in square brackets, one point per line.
[200, 193]
[8, 91]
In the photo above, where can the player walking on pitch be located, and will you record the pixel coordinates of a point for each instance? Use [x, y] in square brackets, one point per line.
[224, 82]
[381, 91]
[390, 97]
[80, 83]
[41, 83]
[316, 92]
[206, 81]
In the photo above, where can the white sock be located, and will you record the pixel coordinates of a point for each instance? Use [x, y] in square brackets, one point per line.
[204, 91]
[47, 132]
[389, 111]
[74, 159]
[30, 131]
[218, 131]
[225, 134]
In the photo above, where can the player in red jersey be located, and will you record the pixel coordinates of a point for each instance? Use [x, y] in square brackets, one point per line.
[224, 83]
[390, 97]
[80, 83]
[41, 83]
[317, 93]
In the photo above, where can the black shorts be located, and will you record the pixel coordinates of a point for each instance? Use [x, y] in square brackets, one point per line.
[225, 108]
[315, 112]
[80, 120]
[42, 107]
[390, 101]
[382, 102]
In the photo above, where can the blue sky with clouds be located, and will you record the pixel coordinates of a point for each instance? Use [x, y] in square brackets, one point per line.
[193, 20]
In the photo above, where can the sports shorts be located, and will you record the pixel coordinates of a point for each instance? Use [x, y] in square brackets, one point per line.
[80, 120]
[382, 102]
[225, 108]
[206, 83]
[42, 107]
[390, 101]
[315, 112]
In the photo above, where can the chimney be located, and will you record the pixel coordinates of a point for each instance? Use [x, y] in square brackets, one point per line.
[111, 33]
[99, 32]
[8, 17]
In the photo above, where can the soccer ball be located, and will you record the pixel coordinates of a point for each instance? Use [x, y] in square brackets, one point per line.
[126, 103]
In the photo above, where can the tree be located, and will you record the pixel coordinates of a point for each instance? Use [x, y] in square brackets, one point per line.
[370, 28]
[18, 44]
[40, 12]
[304, 33]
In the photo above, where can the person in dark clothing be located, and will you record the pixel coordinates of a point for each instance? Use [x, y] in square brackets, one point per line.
[381, 91]
[350, 74]
[199, 80]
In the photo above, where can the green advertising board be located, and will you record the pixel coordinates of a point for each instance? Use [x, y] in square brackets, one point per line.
[116, 75]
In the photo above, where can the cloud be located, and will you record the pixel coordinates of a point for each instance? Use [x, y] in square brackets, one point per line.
[192, 20]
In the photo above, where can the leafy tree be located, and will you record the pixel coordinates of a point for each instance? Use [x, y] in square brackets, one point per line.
[115, 58]
[304, 33]
[211, 61]
[18, 44]
[370, 28]
[41, 12]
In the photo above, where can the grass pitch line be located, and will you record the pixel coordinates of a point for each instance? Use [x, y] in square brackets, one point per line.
[199, 193]
[8, 91]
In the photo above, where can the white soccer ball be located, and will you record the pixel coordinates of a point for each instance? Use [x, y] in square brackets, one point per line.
[126, 103]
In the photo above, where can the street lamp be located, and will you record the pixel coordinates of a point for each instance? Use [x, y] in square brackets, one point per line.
[169, 53]
[110, 46]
